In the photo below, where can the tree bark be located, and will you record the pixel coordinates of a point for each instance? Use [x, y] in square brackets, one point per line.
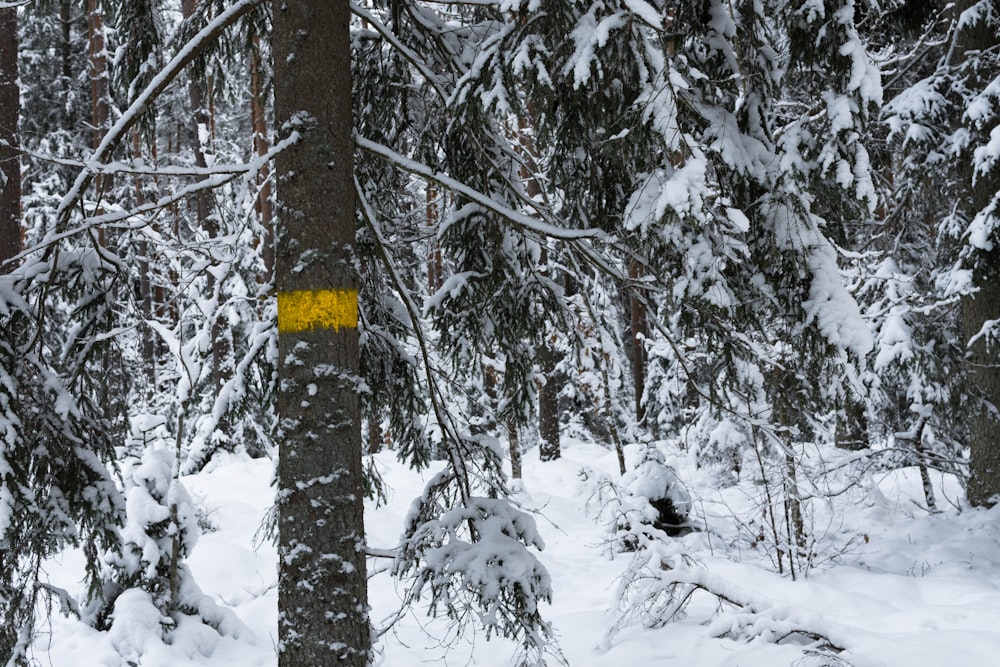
[10, 158]
[549, 448]
[100, 95]
[515, 449]
[984, 379]
[979, 308]
[149, 338]
[548, 396]
[258, 121]
[322, 596]
[65, 53]
[639, 331]
[548, 405]
[435, 261]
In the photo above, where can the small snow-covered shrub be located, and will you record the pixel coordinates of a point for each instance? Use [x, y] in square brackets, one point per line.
[161, 529]
[648, 503]
[657, 483]
[149, 593]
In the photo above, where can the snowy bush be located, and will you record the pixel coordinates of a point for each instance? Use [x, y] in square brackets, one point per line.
[475, 562]
[648, 503]
[149, 592]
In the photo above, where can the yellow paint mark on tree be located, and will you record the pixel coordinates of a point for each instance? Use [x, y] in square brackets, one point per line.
[307, 310]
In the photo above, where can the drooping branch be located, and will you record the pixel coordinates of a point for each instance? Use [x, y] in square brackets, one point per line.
[518, 218]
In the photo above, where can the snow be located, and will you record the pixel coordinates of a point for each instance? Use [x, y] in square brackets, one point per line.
[646, 12]
[899, 586]
[836, 312]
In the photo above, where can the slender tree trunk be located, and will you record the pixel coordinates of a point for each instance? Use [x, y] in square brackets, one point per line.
[145, 285]
[925, 475]
[10, 157]
[639, 330]
[65, 53]
[374, 436]
[258, 119]
[100, 96]
[100, 99]
[548, 358]
[435, 262]
[483, 411]
[548, 405]
[222, 346]
[795, 525]
[548, 396]
[515, 449]
[322, 595]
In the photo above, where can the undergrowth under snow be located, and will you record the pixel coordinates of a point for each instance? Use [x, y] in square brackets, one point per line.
[892, 585]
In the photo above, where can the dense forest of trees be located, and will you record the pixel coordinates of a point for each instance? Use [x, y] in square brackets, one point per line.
[743, 229]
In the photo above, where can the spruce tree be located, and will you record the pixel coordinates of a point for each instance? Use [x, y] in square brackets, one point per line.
[322, 594]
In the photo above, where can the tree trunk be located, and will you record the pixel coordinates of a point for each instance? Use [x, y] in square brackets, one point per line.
[258, 120]
[99, 92]
[322, 595]
[515, 449]
[10, 157]
[639, 331]
[984, 379]
[548, 358]
[983, 306]
[149, 338]
[784, 418]
[222, 346]
[65, 53]
[925, 475]
[435, 262]
[375, 436]
[548, 395]
[548, 405]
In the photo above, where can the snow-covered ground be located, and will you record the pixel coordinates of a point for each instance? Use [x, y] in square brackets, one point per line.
[905, 588]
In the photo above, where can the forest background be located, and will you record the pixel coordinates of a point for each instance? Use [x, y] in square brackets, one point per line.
[752, 232]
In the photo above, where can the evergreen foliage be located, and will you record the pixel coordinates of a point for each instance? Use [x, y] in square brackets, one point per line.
[552, 195]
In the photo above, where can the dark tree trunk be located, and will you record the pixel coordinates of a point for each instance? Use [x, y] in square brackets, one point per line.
[435, 262]
[99, 92]
[199, 123]
[548, 405]
[639, 330]
[258, 122]
[149, 339]
[548, 357]
[322, 595]
[65, 53]
[10, 158]
[515, 449]
[375, 436]
[548, 395]
[984, 378]
[977, 309]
